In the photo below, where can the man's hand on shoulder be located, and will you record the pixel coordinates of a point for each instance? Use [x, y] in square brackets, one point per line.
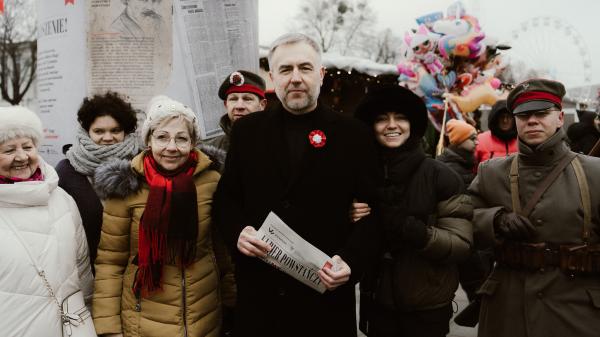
[336, 274]
[250, 245]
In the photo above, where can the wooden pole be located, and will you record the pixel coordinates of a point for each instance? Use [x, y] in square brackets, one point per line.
[440, 145]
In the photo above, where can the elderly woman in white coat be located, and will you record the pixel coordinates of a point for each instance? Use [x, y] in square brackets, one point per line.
[43, 249]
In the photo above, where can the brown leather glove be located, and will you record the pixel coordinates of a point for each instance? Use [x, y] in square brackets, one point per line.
[513, 226]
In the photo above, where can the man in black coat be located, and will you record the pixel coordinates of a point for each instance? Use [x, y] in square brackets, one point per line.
[305, 163]
[584, 134]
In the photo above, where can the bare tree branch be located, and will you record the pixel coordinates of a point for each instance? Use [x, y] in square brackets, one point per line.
[346, 27]
[18, 50]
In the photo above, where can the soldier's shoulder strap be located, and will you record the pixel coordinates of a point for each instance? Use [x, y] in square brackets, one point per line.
[584, 190]
[544, 185]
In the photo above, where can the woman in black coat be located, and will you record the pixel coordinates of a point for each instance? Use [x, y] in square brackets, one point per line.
[107, 124]
[425, 221]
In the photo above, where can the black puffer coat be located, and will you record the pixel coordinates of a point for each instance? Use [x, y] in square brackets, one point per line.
[422, 187]
[460, 162]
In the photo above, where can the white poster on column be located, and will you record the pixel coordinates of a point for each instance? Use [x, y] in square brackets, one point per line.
[60, 72]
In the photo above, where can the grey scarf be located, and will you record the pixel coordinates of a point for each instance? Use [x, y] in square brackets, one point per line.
[86, 156]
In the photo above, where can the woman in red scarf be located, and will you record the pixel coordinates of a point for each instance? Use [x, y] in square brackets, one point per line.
[158, 268]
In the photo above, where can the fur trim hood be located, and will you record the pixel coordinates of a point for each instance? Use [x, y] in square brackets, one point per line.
[217, 155]
[116, 179]
[120, 178]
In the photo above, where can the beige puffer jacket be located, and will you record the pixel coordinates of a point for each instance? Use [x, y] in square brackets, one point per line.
[190, 303]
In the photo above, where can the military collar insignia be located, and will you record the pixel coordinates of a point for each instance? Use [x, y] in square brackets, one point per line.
[236, 78]
[525, 86]
[317, 138]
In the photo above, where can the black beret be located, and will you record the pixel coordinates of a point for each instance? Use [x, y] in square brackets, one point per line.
[388, 98]
[535, 94]
[242, 81]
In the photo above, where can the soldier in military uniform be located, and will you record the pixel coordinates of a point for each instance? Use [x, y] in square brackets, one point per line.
[242, 92]
[539, 208]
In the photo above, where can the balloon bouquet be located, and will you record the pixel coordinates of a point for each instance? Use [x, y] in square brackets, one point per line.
[452, 65]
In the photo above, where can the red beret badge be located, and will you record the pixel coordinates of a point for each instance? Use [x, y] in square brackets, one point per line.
[317, 138]
[236, 78]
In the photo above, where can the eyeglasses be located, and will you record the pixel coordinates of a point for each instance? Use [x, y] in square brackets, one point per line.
[164, 139]
[539, 114]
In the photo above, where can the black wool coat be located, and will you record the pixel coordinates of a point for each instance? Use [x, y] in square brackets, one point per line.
[90, 208]
[313, 199]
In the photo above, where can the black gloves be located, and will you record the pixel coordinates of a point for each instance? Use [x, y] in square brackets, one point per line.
[513, 226]
[414, 232]
[401, 230]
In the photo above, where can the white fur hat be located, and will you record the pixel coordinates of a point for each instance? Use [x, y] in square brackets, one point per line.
[18, 121]
[162, 107]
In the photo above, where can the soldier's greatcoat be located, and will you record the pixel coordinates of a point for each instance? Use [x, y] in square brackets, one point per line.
[547, 303]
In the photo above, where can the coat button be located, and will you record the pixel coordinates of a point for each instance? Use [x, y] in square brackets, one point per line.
[537, 174]
[539, 222]
[286, 204]
[540, 294]
[281, 292]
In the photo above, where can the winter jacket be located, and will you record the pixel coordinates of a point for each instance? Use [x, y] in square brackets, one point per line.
[583, 137]
[216, 148]
[426, 278]
[496, 142]
[190, 302]
[548, 302]
[460, 163]
[490, 146]
[88, 203]
[48, 221]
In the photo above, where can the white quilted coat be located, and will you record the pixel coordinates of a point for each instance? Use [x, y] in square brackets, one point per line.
[48, 220]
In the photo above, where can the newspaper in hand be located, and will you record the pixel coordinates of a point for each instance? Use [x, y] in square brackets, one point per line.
[292, 254]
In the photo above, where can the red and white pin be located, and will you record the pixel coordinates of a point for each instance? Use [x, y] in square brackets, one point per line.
[317, 138]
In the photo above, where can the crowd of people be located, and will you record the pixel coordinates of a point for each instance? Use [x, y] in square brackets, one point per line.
[154, 232]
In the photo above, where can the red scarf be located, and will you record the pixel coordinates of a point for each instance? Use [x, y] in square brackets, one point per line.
[169, 226]
[36, 176]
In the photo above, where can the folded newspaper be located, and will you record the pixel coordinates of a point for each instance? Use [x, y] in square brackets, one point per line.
[292, 254]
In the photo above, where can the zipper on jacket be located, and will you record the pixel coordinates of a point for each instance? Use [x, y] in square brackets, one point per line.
[183, 302]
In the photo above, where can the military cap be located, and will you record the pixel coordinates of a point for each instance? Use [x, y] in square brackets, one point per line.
[535, 94]
[242, 81]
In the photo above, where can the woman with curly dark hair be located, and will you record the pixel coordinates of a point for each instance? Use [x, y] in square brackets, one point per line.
[106, 132]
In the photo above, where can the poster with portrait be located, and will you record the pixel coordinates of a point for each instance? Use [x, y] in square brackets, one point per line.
[130, 48]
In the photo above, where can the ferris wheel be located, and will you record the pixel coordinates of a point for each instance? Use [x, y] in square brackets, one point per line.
[552, 48]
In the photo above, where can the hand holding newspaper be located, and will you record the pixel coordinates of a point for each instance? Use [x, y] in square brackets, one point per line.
[292, 254]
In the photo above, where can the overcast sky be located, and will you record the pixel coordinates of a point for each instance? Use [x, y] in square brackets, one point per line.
[552, 46]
